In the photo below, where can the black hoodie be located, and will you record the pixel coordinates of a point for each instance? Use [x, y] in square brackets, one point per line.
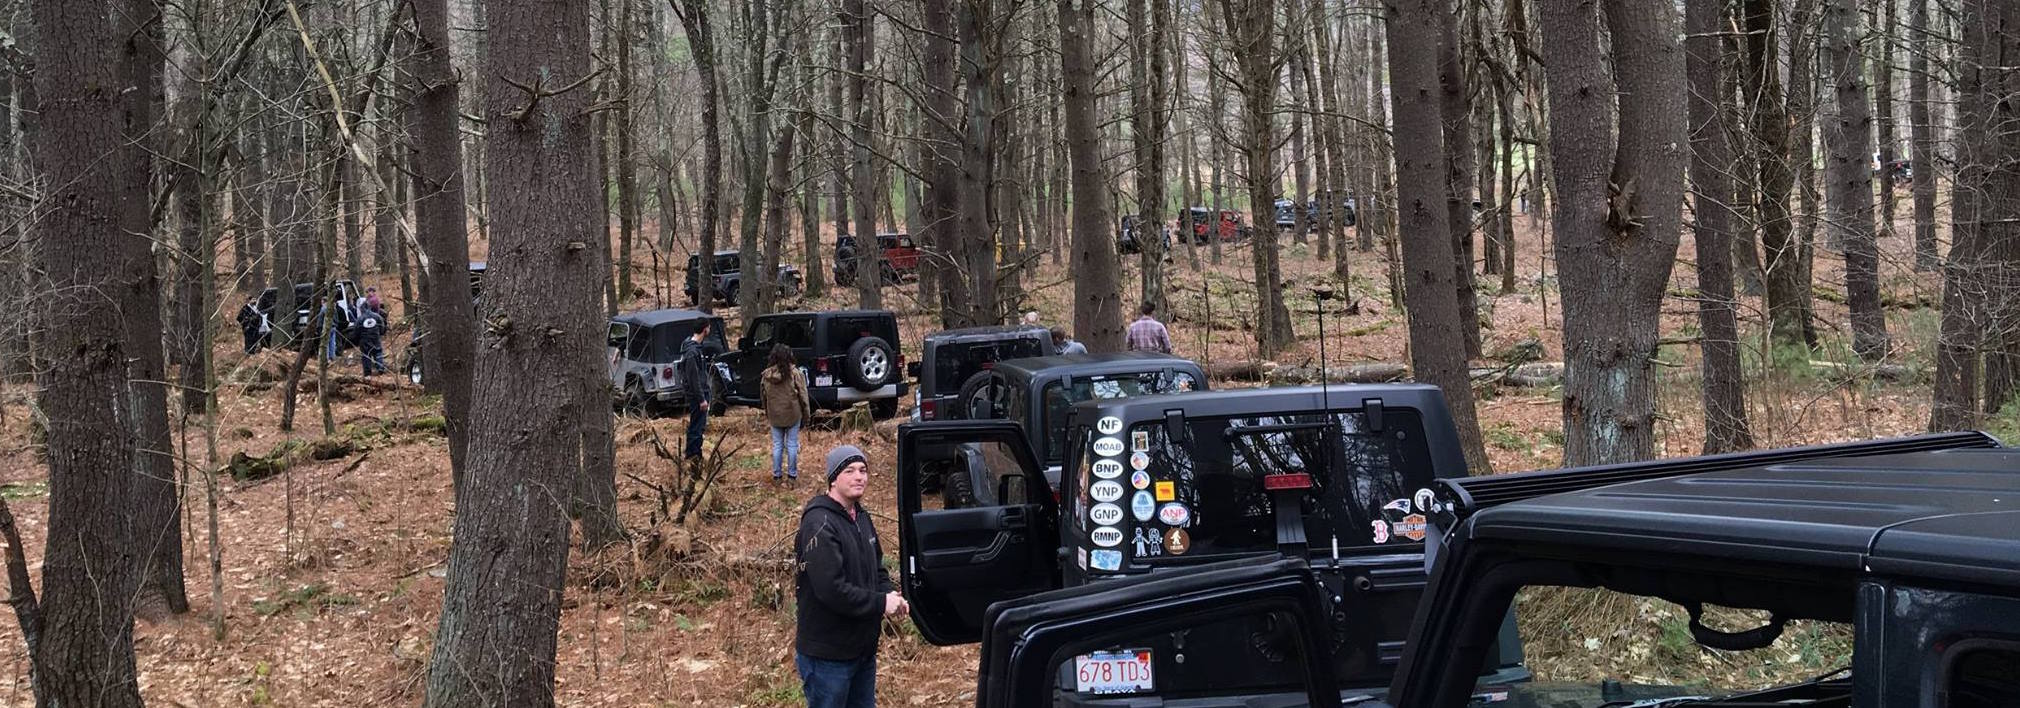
[840, 582]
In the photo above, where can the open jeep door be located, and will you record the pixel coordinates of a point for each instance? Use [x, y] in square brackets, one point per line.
[1000, 543]
[1093, 640]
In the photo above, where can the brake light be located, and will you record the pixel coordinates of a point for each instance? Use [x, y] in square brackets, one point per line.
[927, 409]
[1296, 480]
[666, 372]
[821, 365]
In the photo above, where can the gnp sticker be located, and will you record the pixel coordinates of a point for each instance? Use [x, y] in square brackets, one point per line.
[1105, 514]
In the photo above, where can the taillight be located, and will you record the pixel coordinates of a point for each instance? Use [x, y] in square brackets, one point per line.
[821, 365]
[927, 409]
[666, 372]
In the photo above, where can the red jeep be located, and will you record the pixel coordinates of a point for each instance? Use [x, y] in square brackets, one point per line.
[1230, 226]
[900, 258]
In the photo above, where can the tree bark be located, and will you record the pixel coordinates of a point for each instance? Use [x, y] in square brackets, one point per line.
[1724, 389]
[1252, 27]
[627, 159]
[694, 21]
[501, 609]
[758, 273]
[1097, 281]
[85, 655]
[1618, 212]
[943, 172]
[1437, 347]
[1849, 140]
[859, 35]
[1148, 95]
[436, 156]
[1455, 107]
[1787, 296]
[1921, 136]
[977, 224]
[1954, 404]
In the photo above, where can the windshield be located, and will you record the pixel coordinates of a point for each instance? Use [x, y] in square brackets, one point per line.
[1060, 397]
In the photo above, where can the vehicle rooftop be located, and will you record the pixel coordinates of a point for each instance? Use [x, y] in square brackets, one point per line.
[1091, 363]
[990, 331]
[1268, 401]
[1947, 514]
[835, 313]
[652, 318]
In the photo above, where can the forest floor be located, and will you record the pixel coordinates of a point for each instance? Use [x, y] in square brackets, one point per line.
[332, 573]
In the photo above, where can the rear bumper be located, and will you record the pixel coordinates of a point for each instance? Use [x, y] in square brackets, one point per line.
[837, 397]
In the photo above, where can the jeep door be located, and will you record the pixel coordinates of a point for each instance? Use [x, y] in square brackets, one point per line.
[614, 346]
[1093, 641]
[796, 331]
[956, 562]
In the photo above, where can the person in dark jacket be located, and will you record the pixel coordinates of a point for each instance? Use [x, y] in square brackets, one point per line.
[253, 323]
[369, 332]
[694, 379]
[841, 588]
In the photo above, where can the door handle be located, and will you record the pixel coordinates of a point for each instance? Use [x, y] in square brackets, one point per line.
[1013, 518]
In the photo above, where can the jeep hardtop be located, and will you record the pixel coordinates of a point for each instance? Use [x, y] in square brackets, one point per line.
[1161, 486]
[1879, 574]
[848, 356]
[644, 351]
[950, 360]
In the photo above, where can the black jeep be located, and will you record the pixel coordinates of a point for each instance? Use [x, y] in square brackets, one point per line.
[1158, 489]
[728, 276]
[306, 296]
[1126, 240]
[1875, 574]
[951, 360]
[848, 356]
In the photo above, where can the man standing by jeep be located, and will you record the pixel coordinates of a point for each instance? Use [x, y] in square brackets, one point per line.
[841, 589]
[1147, 334]
[694, 378]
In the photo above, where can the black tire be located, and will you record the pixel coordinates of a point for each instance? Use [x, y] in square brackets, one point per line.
[981, 396]
[957, 489]
[414, 371]
[729, 294]
[872, 362]
[789, 286]
[635, 401]
[890, 273]
[845, 278]
[884, 408]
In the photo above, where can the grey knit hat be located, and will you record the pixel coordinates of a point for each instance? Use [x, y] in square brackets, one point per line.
[840, 457]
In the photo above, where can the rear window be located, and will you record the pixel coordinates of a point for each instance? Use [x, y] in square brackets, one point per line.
[795, 332]
[954, 362]
[1364, 485]
[1059, 399]
[844, 331]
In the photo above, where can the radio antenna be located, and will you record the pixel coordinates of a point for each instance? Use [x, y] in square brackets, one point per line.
[1320, 294]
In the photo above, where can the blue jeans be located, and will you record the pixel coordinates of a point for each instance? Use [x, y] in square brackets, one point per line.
[697, 424]
[786, 449]
[838, 684]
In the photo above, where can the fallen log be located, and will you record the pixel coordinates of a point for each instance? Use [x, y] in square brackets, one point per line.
[1372, 372]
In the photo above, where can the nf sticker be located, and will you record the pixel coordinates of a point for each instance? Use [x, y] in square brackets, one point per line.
[1411, 527]
[1424, 499]
[1142, 506]
[1175, 515]
[1176, 542]
[1106, 560]
[1166, 491]
[1105, 514]
[1106, 490]
[1108, 447]
[1107, 469]
[1139, 479]
[1109, 425]
[1139, 461]
[1139, 440]
[1106, 537]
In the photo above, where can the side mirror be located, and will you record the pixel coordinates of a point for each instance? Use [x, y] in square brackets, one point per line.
[1013, 489]
[912, 370]
[743, 343]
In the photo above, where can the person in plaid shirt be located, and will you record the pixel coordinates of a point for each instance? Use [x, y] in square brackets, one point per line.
[1147, 334]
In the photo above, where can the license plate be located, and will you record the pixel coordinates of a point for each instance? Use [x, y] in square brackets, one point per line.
[1126, 671]
[824, 380]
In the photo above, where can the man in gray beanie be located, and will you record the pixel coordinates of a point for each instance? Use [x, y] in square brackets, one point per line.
[841, 588]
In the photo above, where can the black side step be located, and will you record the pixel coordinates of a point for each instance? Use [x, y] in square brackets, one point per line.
[1467, 495]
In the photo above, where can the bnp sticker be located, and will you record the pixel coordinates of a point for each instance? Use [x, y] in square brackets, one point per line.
[1173, 515]
[1139, 479]
[1107, 469]
[1109, 425]
[1139, 461]
[1105, 514]
[1108, 447]
[1106, 537]
[1106, 559]
[1106, 490]
[1167, 491]
[1176, 541]
[1142, 506]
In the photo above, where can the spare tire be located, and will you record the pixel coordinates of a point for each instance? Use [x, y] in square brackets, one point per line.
[982, 396]
[872, 362]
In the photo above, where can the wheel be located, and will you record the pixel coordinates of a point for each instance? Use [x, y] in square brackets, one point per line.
[982, 396]
[635, 401]
[414, 370]
[884, 408]
[891, 274]
[729, 294]
[957, 488]
[789, 286]
[845, 278]
[871, 363]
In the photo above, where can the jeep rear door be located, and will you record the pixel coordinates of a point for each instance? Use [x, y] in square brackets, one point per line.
[954, 563]
[1094, 640]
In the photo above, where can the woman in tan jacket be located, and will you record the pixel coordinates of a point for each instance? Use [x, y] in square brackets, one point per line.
[783, 391]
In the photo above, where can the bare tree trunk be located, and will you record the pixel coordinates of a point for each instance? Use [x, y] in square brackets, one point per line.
[1188, 150]
[977, 226]
[1787, 296]
[496, 641]
[859, 34]
[943, 196]
[1298, 62]
[1437, 347]
[625, 115]
[1962, 332]
[1252, 29]
[1803, 91]
[1333, 189]
[1455, 107]
[1149, 95]
[89, 560]
[757, 273]
[1724, 389]
[1882, 25]
[694, 20]
[1921, 136]
[436, 157]
[1097, 281]
[1848, 137]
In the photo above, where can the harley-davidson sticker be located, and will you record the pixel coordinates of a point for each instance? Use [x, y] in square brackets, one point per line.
[1411, 527]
